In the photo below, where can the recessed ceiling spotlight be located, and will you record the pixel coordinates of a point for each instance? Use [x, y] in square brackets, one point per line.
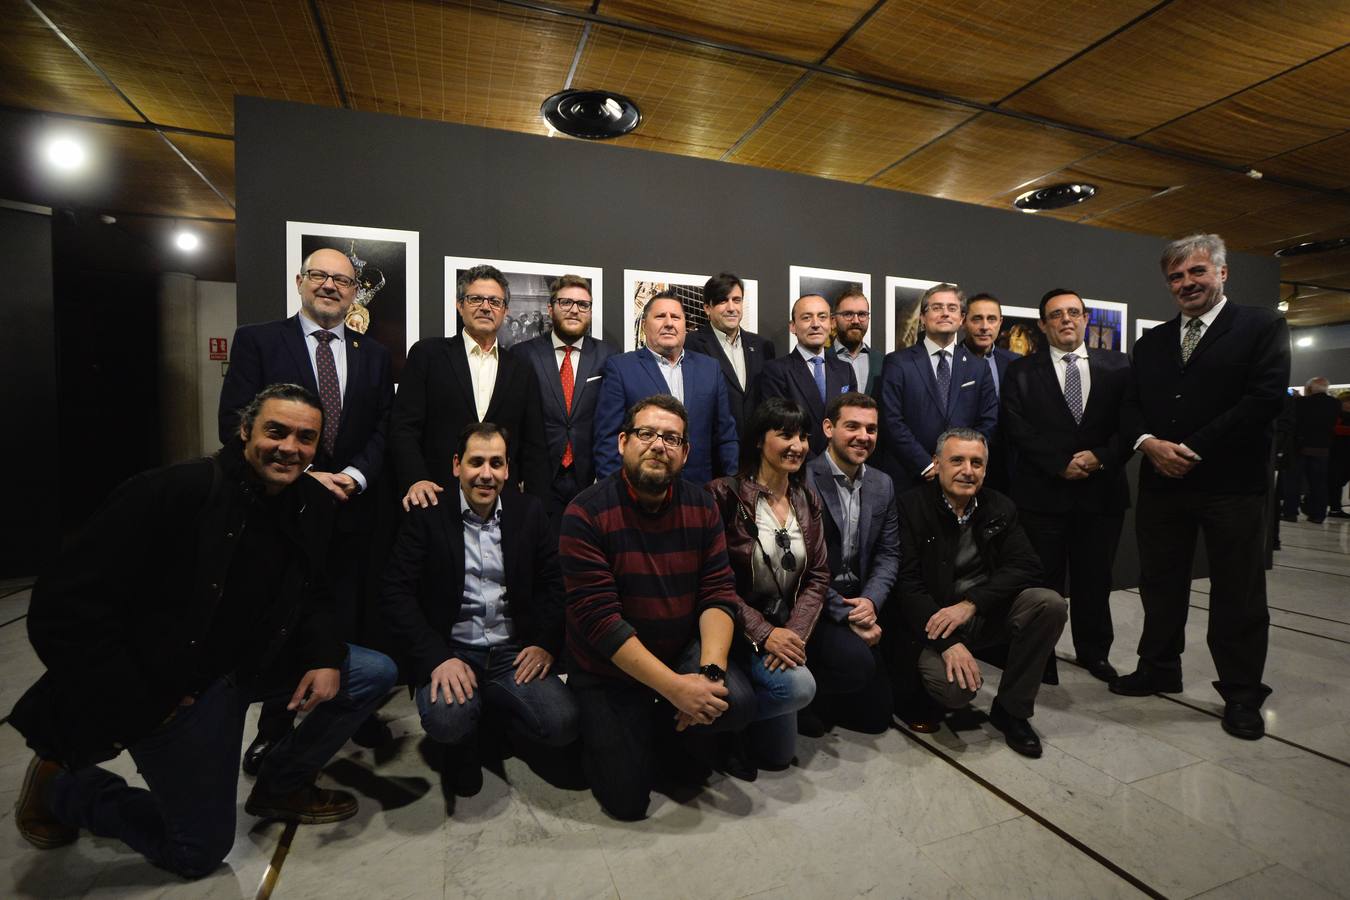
[1055, 196]
[1303, 342]
[594, 115]
[186, 241]
[1282, 306]
[66, 154]
[1313, 247]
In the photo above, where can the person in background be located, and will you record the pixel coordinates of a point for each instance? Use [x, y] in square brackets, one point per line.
[741, 353]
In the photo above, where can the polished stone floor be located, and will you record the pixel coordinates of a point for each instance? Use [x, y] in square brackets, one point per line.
[1143, 796]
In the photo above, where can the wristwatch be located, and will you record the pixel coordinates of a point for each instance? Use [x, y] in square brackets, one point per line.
[713, 672]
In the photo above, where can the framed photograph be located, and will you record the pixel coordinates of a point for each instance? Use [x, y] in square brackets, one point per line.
[902, 321]
[1108, 324]
[387, 292]
[828, 283]
[530, 283]
[1021, 332]
[640, 285]
[1142, 325]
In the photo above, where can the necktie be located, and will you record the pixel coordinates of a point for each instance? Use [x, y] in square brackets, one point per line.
[944, 376]
[818, 364]
[330, 392]
[568, 386]
[1073, 387]
[1190, 339]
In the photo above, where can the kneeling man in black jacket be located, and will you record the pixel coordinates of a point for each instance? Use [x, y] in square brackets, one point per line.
[196, 589]
[968, 579]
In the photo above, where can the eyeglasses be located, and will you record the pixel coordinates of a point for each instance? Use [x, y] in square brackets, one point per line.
[473, 301]
[1072, 312]
[780, 537]
[854, 315]
[318, 277]
[564, 303]
[649, 435]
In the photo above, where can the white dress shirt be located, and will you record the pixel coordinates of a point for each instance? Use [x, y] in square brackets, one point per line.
[932, 350]
[558, 354]
[483, 371]
[1084, 370]
[339, 347]
[672, 372]
[734, 348]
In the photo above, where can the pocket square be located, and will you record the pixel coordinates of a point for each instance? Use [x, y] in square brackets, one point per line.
[598, 377]
[967, 384]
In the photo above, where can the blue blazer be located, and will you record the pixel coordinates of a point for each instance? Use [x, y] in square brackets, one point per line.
[633, 376]
[913, 415]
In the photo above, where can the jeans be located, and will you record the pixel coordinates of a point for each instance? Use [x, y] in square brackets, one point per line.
[778, 696]
[542, 711]
[185, 822]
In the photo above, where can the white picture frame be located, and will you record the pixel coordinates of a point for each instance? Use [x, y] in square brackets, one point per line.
[508, 267]
[813, 280]
[638, 284]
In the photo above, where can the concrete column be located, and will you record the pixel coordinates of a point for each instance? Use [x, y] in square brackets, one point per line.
[179, 392]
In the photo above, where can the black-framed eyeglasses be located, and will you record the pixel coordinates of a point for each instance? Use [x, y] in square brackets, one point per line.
[854, 315]
[649, 435]
[473, 301]
[318, 277]
[565, 303]
[780, 537]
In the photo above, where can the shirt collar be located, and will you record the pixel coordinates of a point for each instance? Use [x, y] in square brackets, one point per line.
[468, 511]
[932, 348]
[476, 349]
[559, 343]
[970, 508]
[839, 473]
[1057, 354]
[1207, 317]
[726, 339]
[841, 350]
[808, 355]
[662, 361]
[308, 327]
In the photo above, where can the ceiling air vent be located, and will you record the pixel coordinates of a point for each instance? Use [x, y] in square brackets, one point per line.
[1055, 196]
[1313, 247]
[594, 115]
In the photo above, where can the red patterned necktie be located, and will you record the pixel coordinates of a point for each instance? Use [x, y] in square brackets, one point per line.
[330, 392]
[568, 385]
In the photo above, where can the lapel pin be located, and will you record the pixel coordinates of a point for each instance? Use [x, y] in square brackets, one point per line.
[355, 344]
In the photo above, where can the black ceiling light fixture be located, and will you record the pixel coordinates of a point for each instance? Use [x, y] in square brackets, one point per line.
[1055, 196]
[1313, 247]
[593, 115]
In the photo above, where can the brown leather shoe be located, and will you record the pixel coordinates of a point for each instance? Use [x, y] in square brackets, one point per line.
[310, 805]
[32, 814]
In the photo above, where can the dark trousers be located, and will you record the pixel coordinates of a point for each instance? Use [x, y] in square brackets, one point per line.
[1308, 472]
[853, 687]
[1077, 551]
[1233, 526]
[185, 821]
[562, 492]
[625, 726]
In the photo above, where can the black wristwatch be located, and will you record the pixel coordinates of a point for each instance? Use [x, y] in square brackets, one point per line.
[713, 672]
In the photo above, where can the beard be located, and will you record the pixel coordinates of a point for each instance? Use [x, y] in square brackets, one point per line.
[651, 480]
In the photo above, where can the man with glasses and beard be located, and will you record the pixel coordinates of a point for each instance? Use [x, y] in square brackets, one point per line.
[651, 611]
[852, 317]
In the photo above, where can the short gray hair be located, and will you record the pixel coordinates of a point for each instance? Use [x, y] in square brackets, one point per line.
[941, 287]
[482, 272]
[959, 434]
[1318, 384]
[1179, 250]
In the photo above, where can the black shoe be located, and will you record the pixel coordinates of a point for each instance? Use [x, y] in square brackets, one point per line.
[1100, 669]
[1339, 514]
[256, 753]
[1243, 721]
[1316, 521]
[1142, 682]
[462, 770]
[736, 758]
[1017, 732]
[373, 732]
[1288, 518]
[809, 724]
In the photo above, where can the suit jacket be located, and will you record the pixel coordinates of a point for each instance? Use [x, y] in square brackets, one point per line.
[758, 351]
[1315, 418]
[424, 581]
[274, 352]
[435, 403]
[790, 377]
[913, 415]
[633, 376]
[878, 534]
[560, 426]
[1038, 426]
[1221, 403]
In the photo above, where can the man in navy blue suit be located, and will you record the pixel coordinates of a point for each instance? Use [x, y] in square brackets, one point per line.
[930, 387]
[984, 320]
[662, 367]
[351, 375]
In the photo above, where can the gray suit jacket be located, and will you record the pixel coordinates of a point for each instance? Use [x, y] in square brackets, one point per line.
[878, 533]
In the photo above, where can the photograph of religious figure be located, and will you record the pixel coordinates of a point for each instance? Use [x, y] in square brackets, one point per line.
[902, 318]
[1021, 331]
[387, 291]
[1142, 325]
[1108, 324]
[828, 283]
[530, 284]
[640, 285]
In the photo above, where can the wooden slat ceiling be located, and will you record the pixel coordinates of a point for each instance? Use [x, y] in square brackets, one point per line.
[1160, 103]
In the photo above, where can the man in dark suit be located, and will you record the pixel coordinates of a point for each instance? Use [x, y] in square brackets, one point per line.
[1315, 417]
[930, 387]
[808, 376]
[662, 367]
[567, 363]
[350, 374]
[862, 534]
[1061, 416]
[984, 320]
[1204, 390]
[740, 353]
[448, 383]
[474, 600]
[852, 318]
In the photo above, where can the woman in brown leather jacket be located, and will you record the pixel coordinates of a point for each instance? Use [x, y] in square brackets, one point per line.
[776, 543]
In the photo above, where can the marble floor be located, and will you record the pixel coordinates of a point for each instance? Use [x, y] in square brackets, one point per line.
[1133, 797]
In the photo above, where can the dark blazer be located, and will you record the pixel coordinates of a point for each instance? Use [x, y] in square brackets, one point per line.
[633, 376]
[1040, 430]
[424, 581]
[928, 542]
[1315, 418]
[790, 377]
[758, 351]
[913, 415]
[435, 403]
[1221, 404]
[560, 426]
[274, 352]
[878, 533]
